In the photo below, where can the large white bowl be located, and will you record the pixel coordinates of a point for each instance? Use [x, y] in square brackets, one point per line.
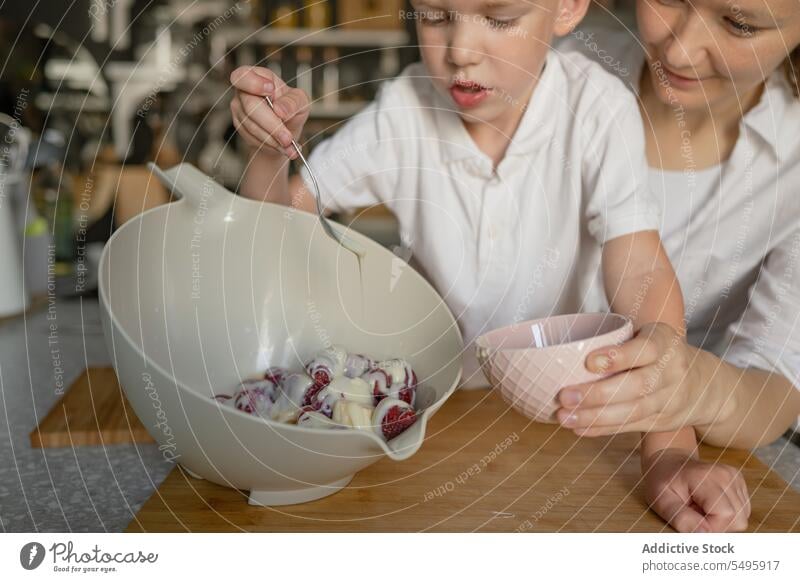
[214, 288]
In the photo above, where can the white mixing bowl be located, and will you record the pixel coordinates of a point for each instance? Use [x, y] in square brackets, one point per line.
[199, 294]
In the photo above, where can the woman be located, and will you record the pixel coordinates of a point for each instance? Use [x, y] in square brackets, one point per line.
[717, 83]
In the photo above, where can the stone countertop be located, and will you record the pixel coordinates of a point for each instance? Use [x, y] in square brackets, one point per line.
[66, 489]
[101, 488]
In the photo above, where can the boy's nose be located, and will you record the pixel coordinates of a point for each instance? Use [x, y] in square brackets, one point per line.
[462, 48]
[685, 48]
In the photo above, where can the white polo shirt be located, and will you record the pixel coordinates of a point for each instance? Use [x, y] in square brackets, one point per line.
[732, 231]
[510, 244]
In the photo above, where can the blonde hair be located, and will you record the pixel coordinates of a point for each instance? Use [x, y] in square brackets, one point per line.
[791, 67]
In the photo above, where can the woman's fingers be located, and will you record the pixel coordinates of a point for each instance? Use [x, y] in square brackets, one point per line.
[640, 351]
[611, 390]
[613, 415]
[633, 408]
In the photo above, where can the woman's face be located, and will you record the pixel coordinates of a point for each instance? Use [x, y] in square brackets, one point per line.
[710, 52]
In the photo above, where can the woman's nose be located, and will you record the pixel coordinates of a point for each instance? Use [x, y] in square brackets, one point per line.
[685, 48]
[463, 48]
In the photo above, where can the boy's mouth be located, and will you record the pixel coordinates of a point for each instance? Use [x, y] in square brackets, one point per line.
[468, 94]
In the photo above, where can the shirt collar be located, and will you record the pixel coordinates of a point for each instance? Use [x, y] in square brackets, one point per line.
[775, 119]
[535, 128]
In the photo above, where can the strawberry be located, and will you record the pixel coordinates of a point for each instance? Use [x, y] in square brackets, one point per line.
[311, 393]
[396, 420]
[255, 396]
[356, 365]
[395, 378]
[391, 417]
[322, 377]
[379, 382]
[276, 374]
[326, 365]
[406, 395]
[252, 401]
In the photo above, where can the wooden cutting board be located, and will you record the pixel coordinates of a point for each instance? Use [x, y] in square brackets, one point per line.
[93, 411]
[483, 467]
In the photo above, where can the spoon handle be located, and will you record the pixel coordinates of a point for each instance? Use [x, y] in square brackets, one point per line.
[340, 239]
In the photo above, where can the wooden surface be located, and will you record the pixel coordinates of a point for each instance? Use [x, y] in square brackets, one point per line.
[93, 411]
[137, 190]
[547, 480]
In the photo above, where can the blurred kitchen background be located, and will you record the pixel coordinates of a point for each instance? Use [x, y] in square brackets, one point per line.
[91, 92]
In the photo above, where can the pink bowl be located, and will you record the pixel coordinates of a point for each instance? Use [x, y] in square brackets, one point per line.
[529, 362]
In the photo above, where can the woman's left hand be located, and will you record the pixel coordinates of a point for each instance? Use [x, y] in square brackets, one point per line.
[654, 387]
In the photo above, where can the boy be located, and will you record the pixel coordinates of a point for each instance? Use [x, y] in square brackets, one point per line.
[517, 175]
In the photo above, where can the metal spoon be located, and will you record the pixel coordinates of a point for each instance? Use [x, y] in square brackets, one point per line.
[341, 239]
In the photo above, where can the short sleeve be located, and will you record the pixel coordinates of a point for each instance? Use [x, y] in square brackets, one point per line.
[615, 175]
[767, 335]
[355, 167]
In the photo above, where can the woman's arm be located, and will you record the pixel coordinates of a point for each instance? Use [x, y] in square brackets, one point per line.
[754, 407]
[752, 383]
[692, 495]
[745, 399]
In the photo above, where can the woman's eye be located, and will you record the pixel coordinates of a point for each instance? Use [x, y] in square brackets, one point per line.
[671, 2]
[500, 23]
[739, 28]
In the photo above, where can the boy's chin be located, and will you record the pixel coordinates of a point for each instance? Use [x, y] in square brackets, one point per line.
[484, 113]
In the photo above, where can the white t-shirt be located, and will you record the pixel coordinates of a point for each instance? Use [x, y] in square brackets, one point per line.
[732, 231]
[501, 246]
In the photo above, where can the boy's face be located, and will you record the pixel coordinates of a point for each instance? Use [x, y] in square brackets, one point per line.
[486, 55]
[714, 51]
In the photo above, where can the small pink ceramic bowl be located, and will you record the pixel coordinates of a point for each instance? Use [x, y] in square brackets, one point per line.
[531, 361]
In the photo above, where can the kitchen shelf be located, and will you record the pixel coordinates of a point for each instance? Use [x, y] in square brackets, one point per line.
[226, 37]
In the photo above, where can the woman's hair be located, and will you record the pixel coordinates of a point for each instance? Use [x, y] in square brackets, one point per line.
[791, 67]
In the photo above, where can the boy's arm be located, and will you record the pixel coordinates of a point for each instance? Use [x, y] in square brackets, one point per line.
[641, 283]
[267, 178]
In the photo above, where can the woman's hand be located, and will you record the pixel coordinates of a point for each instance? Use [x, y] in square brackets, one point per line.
[655, 388]
[695, 496]
[262, 128]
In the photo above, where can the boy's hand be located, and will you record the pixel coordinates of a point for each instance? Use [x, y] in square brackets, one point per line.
[695, 496]
[260, 127]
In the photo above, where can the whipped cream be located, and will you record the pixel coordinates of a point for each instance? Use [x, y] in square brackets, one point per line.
[352, 389]
[311, 419]
[353, 414]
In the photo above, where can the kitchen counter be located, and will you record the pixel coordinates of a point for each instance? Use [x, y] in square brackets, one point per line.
[65, 489]
[101, 488]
